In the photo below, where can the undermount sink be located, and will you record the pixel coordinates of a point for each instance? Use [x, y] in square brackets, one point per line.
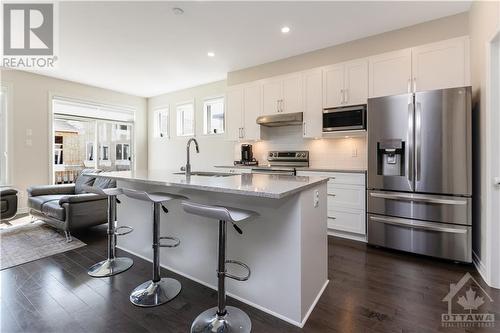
[206, 174]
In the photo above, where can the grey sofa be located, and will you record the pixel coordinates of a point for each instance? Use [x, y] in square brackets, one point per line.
[68, 206]
[8, 201]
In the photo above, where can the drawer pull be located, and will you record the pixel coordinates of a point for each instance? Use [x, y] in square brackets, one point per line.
[333, 218]
[416, 225]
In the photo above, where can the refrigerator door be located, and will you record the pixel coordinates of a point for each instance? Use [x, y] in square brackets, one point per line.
[443, 141]
[429, 238]
[429, 207]
[390, 142]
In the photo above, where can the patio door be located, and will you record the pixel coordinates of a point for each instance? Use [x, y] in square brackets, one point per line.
[81, 140]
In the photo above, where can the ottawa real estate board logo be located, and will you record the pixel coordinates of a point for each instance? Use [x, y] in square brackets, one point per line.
[29, 35]
[467, 301]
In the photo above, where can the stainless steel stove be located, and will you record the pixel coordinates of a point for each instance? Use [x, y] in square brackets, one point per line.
[284, 162]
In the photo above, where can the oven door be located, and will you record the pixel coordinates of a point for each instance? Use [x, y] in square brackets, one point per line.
[344, 118]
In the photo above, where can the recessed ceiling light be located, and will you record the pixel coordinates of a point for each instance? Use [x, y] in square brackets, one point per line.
[285, 29]
[177, 11]
[211, 54]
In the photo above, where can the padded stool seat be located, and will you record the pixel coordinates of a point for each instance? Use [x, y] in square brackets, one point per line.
[156, 197]
[217, 212]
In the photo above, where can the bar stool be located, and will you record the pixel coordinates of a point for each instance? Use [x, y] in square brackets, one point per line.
[112, 265]
[222, 318]
[158, 290]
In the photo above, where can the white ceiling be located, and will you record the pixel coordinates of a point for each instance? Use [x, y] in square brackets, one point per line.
[142, 48]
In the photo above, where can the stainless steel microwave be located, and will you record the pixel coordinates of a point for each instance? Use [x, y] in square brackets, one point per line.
[345, 118]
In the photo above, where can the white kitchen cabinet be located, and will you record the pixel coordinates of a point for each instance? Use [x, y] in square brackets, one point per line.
[356, 82]
[345, 84]
[389, 73]
[346, 202]
[333, 86]
[441, 65]
[252, 104]
[243, 106]
[282, 94]
[234, 113]
[313, 110]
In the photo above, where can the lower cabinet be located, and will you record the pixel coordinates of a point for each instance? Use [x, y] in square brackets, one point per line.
[346, 203]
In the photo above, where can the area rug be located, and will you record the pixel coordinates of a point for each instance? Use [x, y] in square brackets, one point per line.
[32, 241]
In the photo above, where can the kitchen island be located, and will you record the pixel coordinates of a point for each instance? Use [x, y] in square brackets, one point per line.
[285, 245]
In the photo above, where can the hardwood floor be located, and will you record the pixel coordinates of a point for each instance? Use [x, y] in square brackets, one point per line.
[370, 290]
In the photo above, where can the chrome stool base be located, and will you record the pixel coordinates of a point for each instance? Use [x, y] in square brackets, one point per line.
[155, 293]
[110, 267]
[235, 320]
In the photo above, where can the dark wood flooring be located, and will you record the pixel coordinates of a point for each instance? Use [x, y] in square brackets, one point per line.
[370, 290]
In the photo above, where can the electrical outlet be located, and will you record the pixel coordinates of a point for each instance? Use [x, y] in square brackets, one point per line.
[29, 142]
[316, 199]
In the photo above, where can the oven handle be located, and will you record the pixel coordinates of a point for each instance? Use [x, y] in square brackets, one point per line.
[411, 197]
[416, 225]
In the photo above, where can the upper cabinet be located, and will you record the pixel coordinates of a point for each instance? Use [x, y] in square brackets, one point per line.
[441, 65]
[432, 66]
[390, 73]
[345, 84]
[243, 106]
[313, 111]
[282, 94]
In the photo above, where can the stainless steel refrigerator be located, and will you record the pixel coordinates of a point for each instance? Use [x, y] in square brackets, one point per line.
[419, 173]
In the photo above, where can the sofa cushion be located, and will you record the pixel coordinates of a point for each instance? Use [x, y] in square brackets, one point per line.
[4, 191]
[38, 201]
[103, 183]
[82, 180]
[53, 209]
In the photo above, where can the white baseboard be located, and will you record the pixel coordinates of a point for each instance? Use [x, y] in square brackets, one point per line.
[272, 313]
[23, 210]
[347, 235]
[481, 268]
[313, 305]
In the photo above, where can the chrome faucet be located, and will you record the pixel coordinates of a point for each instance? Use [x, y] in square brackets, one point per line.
[188, 159]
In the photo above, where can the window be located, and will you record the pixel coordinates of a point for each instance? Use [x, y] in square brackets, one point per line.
[185, 119]
[161, 123]
[213, 119]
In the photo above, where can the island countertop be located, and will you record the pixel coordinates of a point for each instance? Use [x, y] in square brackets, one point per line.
[255, 185]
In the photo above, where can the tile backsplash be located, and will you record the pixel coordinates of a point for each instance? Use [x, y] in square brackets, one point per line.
[338, 153]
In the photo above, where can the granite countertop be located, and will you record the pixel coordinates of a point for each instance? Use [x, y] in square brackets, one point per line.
[254, 185]
[298, 168]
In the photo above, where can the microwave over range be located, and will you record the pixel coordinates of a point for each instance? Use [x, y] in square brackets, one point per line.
[346, 118]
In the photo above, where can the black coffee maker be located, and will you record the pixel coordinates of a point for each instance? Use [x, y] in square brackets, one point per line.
[246, 153]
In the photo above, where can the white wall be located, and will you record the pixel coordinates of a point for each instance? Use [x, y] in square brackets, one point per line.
[170, 153]
[484, 20]
[323, 153]
[30, 112]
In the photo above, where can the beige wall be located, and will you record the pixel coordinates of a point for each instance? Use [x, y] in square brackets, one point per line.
[428, 32]
[484, 20]
[30, 111]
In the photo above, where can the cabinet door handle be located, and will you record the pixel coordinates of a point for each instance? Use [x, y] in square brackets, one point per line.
[277, 105]
[333, 218]
[239, 133]
[341, 96]
[414, 84]
[282, 105]
[346, 99]
[243, 134]
[304, 128]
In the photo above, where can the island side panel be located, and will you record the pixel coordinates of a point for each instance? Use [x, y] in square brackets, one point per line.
[270, 245]
[314, 246]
